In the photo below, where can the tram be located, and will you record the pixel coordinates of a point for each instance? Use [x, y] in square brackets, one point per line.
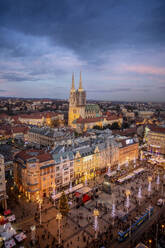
[138, 221]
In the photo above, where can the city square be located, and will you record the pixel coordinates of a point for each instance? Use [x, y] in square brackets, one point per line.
[78, 227]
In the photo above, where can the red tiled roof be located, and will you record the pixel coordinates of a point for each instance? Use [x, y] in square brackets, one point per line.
[44, 157]
[112, 117]
[31, 153]
[89, 120]
[19, 129]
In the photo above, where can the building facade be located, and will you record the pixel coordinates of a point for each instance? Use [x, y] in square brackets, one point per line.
[3, 195]
[155, 139]
[84, 116]
[78, 107]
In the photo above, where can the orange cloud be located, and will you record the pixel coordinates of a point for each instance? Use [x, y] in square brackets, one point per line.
[142, 69]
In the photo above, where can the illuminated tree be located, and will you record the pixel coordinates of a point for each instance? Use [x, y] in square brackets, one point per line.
[63, 204]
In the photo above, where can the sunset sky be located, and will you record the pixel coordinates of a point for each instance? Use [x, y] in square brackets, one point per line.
[119, 45]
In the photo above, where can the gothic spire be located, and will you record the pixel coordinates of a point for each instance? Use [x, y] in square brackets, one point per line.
[73, 88]
[80, 84]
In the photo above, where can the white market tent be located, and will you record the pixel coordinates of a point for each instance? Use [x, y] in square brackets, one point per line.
[20, 237]
[130, 175]
[84, 190]
[10, 243]
[73, 189]
[7, 231]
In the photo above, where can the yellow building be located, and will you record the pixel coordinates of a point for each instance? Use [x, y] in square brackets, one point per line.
[155, 139]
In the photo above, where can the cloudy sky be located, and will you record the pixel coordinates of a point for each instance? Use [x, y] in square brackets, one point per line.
[119, 45]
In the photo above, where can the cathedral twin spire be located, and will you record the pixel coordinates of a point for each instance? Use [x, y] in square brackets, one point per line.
[80, 83]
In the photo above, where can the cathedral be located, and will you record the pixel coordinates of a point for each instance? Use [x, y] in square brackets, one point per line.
[79, 111]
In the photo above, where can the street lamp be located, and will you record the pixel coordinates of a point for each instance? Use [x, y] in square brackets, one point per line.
[127, 192]
[33, 233]
[96, 214]
[40, 204]
[54, 193]
[58, 218]
[162, 226]
[150, 242]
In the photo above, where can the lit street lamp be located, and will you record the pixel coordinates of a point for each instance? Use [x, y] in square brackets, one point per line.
[40, 205]
[33, 233]
[58, 218]
[54, 193]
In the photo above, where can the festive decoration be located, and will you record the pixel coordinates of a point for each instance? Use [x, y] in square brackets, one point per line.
[63, 204]
[70, 187]
[118, 167]
[96, 214]
[113, 210]
[127, 192]
[149, 184]
[140, 193]
[158, 180]
[109, 170]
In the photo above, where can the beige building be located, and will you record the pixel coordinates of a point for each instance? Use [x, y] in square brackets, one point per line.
[3, 195]
[37, 173]
[41, 118]
[128, 151]
[48, 136]
[155, 139]
[145, 114]
[34, 173]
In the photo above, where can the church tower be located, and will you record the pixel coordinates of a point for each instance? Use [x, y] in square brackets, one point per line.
[77, 102]
[81, 94]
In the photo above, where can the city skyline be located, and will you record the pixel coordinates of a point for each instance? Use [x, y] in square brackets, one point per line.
[119, 47]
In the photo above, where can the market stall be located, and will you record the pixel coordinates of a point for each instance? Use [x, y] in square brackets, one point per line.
[10, 243]
[20, 237]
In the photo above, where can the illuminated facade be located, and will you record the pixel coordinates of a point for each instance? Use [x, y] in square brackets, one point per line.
[155, 139]
[128, 151]
[3, 195]
[37, 173]
[78, 107]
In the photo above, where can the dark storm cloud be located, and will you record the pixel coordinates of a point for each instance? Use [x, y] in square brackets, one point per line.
[13, 77]
[84, 26]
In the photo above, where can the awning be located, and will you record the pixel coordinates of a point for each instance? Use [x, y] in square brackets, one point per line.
[86, 198]
[7, 212]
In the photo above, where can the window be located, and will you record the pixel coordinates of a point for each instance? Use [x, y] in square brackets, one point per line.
[57, 168]
[64, 166]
